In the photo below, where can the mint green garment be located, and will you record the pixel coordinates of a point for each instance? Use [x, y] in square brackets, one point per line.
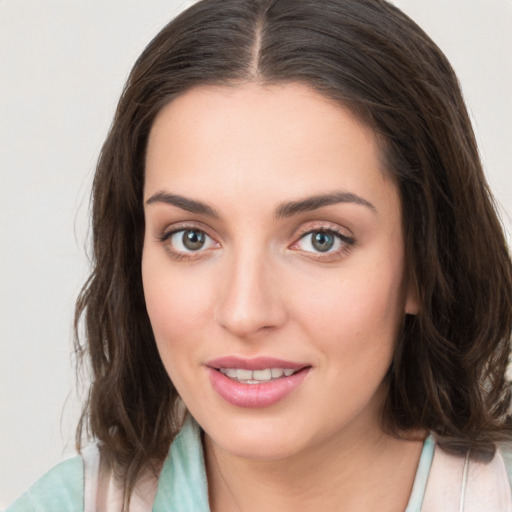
[61, 489]
[182, 485]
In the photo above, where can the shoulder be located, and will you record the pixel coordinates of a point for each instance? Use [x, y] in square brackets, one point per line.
[506, 453]
[61, 488]
[454, 480]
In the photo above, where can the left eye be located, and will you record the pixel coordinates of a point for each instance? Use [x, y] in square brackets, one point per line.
[321, 241]
[190, 240]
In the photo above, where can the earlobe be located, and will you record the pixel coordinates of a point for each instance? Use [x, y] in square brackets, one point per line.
[412, 303]
[411, 310]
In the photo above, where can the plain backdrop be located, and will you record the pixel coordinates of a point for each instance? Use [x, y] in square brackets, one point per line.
[62, 66]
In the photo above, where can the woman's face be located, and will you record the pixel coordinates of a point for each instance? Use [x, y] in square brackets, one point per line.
[273, 266]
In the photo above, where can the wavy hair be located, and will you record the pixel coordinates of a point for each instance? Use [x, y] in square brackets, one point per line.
[448, 372]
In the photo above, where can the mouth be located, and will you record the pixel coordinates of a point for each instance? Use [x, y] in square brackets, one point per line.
[257, 370]
[246, 376]
[256, 382]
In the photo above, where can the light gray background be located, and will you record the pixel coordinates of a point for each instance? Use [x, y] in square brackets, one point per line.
[62, 67]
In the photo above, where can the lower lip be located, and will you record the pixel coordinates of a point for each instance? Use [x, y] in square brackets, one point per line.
[255, 395]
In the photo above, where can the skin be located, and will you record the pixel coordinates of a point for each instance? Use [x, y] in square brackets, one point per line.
[259, 287]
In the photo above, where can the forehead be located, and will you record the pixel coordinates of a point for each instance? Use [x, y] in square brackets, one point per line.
[281, 140]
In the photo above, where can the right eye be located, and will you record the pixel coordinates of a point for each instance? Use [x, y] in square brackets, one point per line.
[186, 241]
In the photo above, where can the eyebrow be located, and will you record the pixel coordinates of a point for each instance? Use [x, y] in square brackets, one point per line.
[190, 205]
[314, 202]
[287, 209]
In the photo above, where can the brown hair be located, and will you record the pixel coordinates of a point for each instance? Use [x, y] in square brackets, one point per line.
[448, 373]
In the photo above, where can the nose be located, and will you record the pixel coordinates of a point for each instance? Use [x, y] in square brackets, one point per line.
[250, 301]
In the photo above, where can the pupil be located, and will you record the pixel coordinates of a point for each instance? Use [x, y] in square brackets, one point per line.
[193, 240]
[323, 241]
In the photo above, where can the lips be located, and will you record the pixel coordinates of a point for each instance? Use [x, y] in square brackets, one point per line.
[258, 382]
[257, 363]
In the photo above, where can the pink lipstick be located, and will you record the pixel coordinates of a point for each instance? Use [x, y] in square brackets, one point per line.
[257, 382]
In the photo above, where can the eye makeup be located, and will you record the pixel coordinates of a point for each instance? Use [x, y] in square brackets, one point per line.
[319, 241]
[187, 241]
[323, 241]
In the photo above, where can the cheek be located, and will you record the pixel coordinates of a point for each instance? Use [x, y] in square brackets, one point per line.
[357, 313]
[177, 303]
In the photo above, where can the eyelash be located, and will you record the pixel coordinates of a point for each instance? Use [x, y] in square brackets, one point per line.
[347, 242]
[166, 236]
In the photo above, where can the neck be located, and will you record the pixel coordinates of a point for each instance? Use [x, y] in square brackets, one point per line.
[348, 474]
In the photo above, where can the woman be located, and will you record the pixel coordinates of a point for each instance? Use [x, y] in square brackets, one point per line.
[300, 279]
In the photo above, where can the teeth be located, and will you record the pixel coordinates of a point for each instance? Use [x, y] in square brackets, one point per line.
[243, 374]
[256, 376]
[276, 372]
[262, 374]
[230, 372]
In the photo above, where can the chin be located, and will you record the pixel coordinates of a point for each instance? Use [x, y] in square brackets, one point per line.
[259, 448]
[261, 439]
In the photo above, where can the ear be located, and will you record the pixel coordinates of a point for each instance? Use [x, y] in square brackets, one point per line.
[412, 303]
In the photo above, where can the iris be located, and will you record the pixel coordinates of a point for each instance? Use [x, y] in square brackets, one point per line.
[322, 241]
[193, 239]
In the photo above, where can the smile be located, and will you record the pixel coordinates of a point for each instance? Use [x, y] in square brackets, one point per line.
[257, 382]
[256, 376]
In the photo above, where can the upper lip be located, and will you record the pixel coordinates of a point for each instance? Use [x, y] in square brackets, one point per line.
[256, 363]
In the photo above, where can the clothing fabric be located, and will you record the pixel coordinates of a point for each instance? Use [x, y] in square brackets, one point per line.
[182, 485]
